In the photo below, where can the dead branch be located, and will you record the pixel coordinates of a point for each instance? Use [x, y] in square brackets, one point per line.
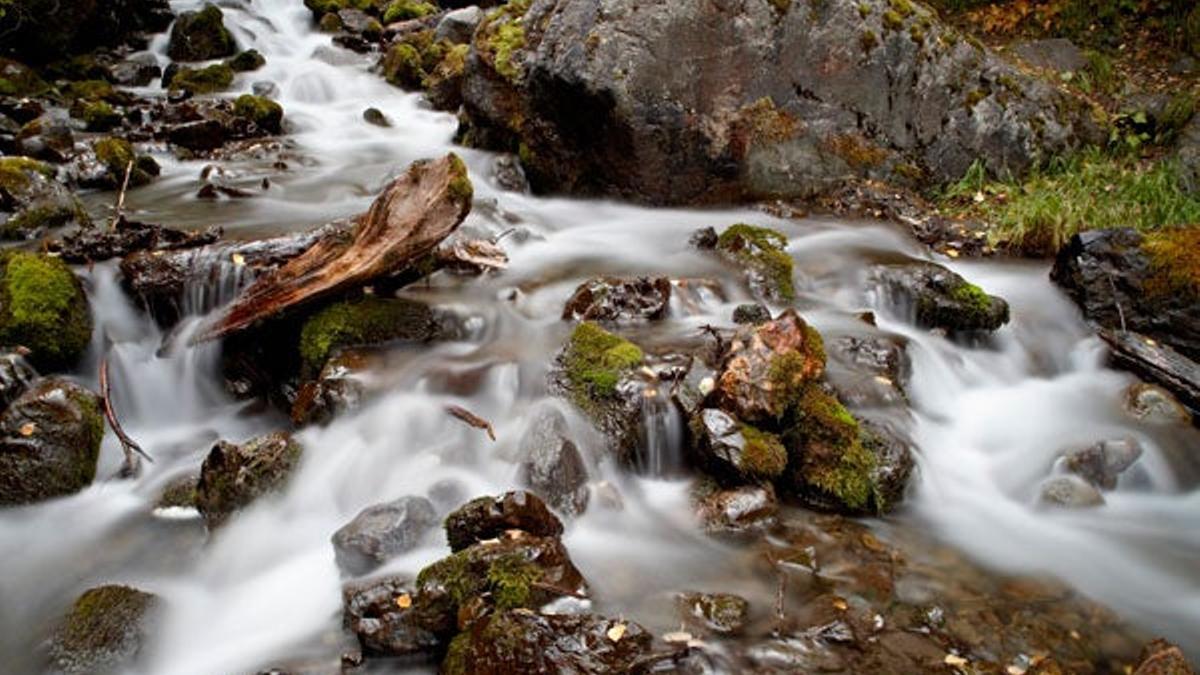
[128, 445]
[119, 211]
[472, 419]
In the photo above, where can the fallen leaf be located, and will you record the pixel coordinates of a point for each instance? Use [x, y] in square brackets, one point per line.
[238, 259]
[616, 632]
[677, 636]
[954, 660]
[28, 429]
[404, 601]
[840, 604]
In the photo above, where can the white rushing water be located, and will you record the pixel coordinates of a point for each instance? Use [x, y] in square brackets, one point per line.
[989, 421]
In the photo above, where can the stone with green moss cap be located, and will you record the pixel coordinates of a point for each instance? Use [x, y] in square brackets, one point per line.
[115, 156]
[500, 38]
[262, 111]
[767, 365]
[100, 116]
[103, 631]
[35, 201]
[401, 10]
[43, 307]
[49, 442]
[763, 252]
[246, 61]
[940, 298]
[201, 35]
[207, 80]
[367, 321]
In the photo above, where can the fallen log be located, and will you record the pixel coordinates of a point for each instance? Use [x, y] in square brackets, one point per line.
[1156, 363]
[404, 224]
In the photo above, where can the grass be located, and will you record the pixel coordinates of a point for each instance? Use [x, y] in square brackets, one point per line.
[1092, 190]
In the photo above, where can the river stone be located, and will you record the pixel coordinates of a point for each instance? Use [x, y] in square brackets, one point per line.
[179, 492]
[375, 117]
[490, 517]
[1070, 492]
[939, 298]
[1058, 54]
[552, 465]
[459, 25]
[751, 313]
[381, 532]
[103, 632]
[49, 442]
[616, 299]
[751, 385]
[233, 476]
[873, 370]
[15, 377]
[32, 201]
[722, 613]
[1155, 405]
[893, 462]
[734, 452]
[337, 389]
[200, 36]
[691, 101]
[380, 612]
[1102, 463]
[47, 138]
[741, 509]
[528, 642]
[139, 70]
[508, 174]
[1157, 362]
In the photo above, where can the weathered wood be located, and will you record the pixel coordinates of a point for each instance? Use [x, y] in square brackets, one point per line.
[412, 216]
[1157, 363]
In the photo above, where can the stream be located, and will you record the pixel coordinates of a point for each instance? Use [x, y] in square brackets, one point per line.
[988, 420]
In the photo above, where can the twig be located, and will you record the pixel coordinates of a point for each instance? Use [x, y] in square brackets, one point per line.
[472, 419]
[128, 445]
[1120, 312]
[119, 211]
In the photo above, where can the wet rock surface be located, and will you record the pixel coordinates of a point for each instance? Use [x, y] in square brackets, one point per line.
[32, 201]
[1071, 492]
[489, 517]
[722, 613]
[381, 532]
[200, 36]
[551, 464]
[940, 298]
[379, 613]
[748, 508]
[103, 632]
[614, 299]
[233, 476]
[1103, 463]
[1157, 363]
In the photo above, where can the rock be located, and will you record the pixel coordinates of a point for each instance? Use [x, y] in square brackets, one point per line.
[49, 442]
[1057, 54]
[1157, 363]
[198, 136]
[1155, 405]
[15, 377]
[371, 320]
[941, 299]
[375, 116]
[103, 632]
[87, 245]
[458, 26]
[721, 613]
[207, 80]
[1123, 280]
[803, 97]
[490, 517]
[179, 492]
[359, 22]
[233, 476]
[46, 138]
[49, 32]
[1160, 657]
[705, 239]
[32, 201]
[1070, 492]
[871, 370]
[1102, 463]
[892, 457]
[246, 61]
[105, 165]
[551, 466]
[337, 389]
[43, 308]
[200, 36]
[616, 299]
[263, 112]
[762, 253]
[736, 452]
[741, 509]
[508, 174]
[766, 365]
[380, 613]
[381, 532]
[526, 642]
[138, 70]
[752, 314]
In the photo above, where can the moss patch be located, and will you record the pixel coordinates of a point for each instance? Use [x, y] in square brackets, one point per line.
[362, 322]
[501, 36]
[510, 578]
[400, 10]
[214, 78]
[763, 251]
[764, 455]
[42, 307]
[100, 116]
[595, 360]
[834, 460]
[246, 61]
[262, 111]
[15, 173]
[856, 151]
[1174, 261]
[460, 188]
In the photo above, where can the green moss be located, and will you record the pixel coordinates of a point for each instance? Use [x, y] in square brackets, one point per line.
[501, 36]
[100, 116]
[763, 251]
[1174, 261]
[15, 173]
[400, 10]
[330, 23]
[595, 360]
[115, 154]
[973, 298]
[510, 578]
[858, 152]
[91, 90]
[916, 33]
[892, 20]
[868, 40]
[457, 657]
[16, 79]
[264, 112]
[764, 455]
[402, 66]
[864, 10]
[42, 307]
[100, 619]
[247, 61]
[214, 78]
[460, 187]
[835, 461]
[361, 322]
[902, 7]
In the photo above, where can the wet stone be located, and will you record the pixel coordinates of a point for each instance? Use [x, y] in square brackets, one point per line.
[616, 299]
[1102, 463]
[508, 174]
[15, 377]
[552, 465]
[381, 532]
[380, 613]
[103, 632]
[1160, 657]
[741, 509]
[939, 298]
[376, 117]
[722, 613]
[233, 476]
[1155, 405]
[1070, 492]
[490, 517]
[751, 313]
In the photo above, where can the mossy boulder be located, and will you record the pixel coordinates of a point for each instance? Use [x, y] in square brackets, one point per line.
[32, 201]
[384, 615]
[100, 116]
[367, 321]
[103, 632]
[43, 308]
[490, 517]
[17, 79]
[766, 367]
[262, 111]
[401, 10]
[246, 61]
[49, 442]
[234, 476]
[938, 298]
[831, 467]
[115, 155]
[414, 56]
[207, 80]
[500, 38]
[763, 253]
[200, 36]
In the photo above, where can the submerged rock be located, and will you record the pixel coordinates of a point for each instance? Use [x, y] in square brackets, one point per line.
[1155, 405]
[740, 509]
[1070, 492]
[552, 466]
[1160, 657]
[103, 632]
[49, 442]
[233, 476]
[940, 298]
[31, 201]
[615, 299]
[380, 613]
[490, 517]
[200, 36]
[722, 613]
[381, 532]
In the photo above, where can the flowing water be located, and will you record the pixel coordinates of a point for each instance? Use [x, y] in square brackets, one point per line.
[989, 420]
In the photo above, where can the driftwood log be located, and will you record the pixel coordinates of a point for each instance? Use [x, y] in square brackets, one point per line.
[403, 226]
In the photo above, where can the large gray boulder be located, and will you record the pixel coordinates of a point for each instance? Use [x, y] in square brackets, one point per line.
[697, 101]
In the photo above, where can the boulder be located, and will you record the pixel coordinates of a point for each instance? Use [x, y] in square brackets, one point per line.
[375, 116]
[31, 201]
[261, 111]
[207, 80]
[546, 644]
[766, 365]
[49, 442]
[381, 614]
[762, 253]
[736, 452]
[458, 26]
[381, 532]
[490, 517]
[246, 61]
[688, 102]
[138, 70]
[748, 508]
[47, 138]
[37, 31]
[103, 632]
[1102, 463]
[552, 466]
[233, 476]
[938, 298]
[616, 299]
[44, 309]
[18, 79]
[104, 163]
[200, 36]
[721, 613]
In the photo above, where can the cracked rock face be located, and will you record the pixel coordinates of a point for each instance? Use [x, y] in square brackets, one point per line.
[691, 101]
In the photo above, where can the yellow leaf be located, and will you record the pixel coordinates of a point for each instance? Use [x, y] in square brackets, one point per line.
[28, 429]
[954, 660]
[404, 601]
[616, 632]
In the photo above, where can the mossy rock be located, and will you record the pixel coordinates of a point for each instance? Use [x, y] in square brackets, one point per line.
[1174, 256]
[486, 518]
[200, 36]
[443, 85]
[401, 10]
[246, 61]
[208, 80]
[596, 360]
[262, 111]
[939, 298]
[330, 23]
[103, 632]
[363, 322]
[500, 38]
[49, 442]
[17, 79]
[115, 155]
[36, 201]
[830, 466]
[234, 476]
[100, 116]
[763, 252]
[43, 307]
[414, 57]
[90, 90]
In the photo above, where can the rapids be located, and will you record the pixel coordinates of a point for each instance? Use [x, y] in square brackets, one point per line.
[989, 420]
